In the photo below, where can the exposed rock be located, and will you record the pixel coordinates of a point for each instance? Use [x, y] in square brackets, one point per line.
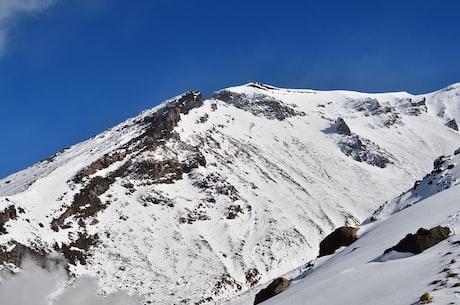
[226, 282]
[77, 250]
[258, 104]
[363, 150]
[87, 203]
[164, 171]
[160, 125]
[438, 162]
[203, 119]
[452, 124]
[158, 129]
[367, 105]
[412, 108]
[102, 163]
[440, 178]
[342, 127]
[155, 197]
[260, 85]
[16, 252]
[426, 298]
[189, 216]
[169, 169]
[274, 288]
[422, 240]
[7, 214]
[252, 277]
[358, 148]
[343, 236]
[233, 211]
[371, 107]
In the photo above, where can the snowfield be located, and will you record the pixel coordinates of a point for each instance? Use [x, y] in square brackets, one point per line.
[361, 274]
[201, 201]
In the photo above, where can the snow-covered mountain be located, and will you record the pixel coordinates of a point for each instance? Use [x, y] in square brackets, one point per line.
[199, 200]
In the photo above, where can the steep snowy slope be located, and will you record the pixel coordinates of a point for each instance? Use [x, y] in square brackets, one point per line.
[363, 274]
[201, 199]
[444, 175]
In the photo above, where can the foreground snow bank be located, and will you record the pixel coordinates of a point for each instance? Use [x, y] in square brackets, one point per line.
[361, 274]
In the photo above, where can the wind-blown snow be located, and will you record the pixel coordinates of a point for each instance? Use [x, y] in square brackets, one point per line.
[49, 286]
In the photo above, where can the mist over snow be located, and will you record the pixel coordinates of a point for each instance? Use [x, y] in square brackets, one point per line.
[35, 285]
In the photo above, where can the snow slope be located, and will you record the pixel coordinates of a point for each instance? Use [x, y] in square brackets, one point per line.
[245, 183]
[361, 274]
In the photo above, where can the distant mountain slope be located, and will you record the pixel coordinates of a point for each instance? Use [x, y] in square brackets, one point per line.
[445, 174]
[198, 199]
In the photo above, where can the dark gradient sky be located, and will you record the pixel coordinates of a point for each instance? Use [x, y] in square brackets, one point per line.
[77, 67]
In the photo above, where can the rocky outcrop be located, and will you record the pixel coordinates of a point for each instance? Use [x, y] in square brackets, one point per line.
[16, 252]
[7, 214]
[364, 150]
[411, 107]
[420, 241]
[158, 128]
[102, 163]
[259, 85]
[371, 107]
[274, 288]
[342, 127]
[358, 148]
[160, 125]
[452, 124]
[76, 251]
[258, 104]
[87, 203]
[343, 236]
[252, 277]
[169, 169]
[441, 177]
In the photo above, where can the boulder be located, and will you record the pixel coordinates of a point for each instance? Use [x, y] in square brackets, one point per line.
[426, 298]
[422, 240]
[342, 127]
[342, 236]
[274, 288]
[452, 124]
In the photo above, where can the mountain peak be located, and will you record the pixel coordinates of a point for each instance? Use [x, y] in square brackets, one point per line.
[245, 183]
[259, 85]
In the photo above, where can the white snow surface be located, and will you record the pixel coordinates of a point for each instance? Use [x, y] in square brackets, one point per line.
[362, 274]
[269, 192]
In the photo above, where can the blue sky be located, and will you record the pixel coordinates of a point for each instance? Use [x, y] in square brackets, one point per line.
[70, 69]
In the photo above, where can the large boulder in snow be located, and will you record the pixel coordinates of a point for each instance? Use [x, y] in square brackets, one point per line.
[275, 287]
[423, 239]
[342, 127]
[342, 236]
[452, 124]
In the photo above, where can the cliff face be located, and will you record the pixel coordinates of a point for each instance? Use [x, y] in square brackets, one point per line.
[198, 200]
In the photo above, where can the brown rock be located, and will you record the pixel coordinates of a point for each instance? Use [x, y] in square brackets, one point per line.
[423, 239]
[275, 287]
[342, 236]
